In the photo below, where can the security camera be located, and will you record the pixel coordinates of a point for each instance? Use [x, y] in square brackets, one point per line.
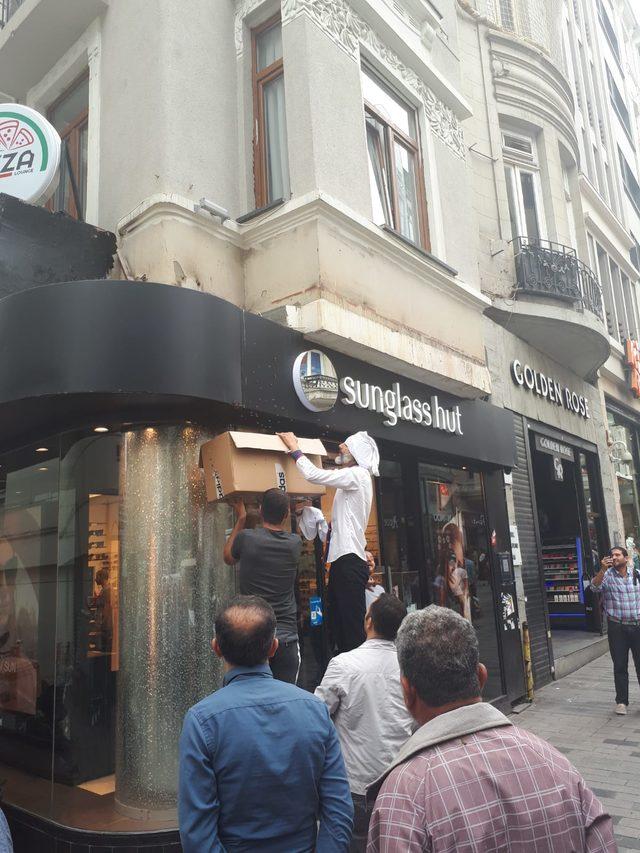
[212, 208]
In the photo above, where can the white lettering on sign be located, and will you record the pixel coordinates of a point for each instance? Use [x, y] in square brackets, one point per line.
[396, 406]
[281, 479]
[549, 389]
[555, 446]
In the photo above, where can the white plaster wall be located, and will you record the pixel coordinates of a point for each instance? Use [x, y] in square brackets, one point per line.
[168, 104]
[325, 117]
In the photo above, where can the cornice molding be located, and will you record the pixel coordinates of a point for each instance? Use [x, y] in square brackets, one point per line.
[349, 31]
[312, 209]
[526, 79]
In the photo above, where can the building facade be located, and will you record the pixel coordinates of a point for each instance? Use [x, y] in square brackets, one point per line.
[426, 206]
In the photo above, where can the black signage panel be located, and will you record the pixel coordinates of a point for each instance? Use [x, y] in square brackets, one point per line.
[553, 447]
[388, 406]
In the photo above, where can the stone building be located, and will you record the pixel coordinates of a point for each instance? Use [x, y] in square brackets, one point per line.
[428, 206]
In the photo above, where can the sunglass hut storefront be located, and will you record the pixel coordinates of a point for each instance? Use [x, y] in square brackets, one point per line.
[111, 557]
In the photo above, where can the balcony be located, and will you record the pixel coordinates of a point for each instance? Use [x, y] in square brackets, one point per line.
[7, 8]
[550, 269]
[558, 306]
[35, 34]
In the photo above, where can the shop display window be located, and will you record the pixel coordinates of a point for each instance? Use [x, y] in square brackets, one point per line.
[458, 556]
[624, 455]
[111, 572]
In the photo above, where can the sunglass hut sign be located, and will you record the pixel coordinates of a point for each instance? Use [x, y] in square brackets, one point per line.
[396, 406]
[318, 388]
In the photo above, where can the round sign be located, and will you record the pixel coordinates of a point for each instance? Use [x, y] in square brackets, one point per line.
[29, 153]
[315, 381]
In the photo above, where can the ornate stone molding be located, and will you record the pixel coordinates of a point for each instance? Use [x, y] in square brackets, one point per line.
[244, 8]
[349, 31]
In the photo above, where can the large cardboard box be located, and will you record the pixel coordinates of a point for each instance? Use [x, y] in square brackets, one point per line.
[242, 463]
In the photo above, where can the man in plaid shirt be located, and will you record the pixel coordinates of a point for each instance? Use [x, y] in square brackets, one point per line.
[467, 779]
[620, 585]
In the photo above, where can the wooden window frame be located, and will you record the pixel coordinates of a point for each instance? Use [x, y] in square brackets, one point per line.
[259, 79]
[391, 135]
[71, 136]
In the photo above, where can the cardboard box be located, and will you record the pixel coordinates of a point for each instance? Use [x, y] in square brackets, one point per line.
[241, 463]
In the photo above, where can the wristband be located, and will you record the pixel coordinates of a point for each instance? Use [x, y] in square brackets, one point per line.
[295, 454]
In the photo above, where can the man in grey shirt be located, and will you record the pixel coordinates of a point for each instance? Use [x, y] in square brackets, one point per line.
[268, 558]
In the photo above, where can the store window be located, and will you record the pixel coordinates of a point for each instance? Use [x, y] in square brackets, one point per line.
[401, 576]
[395, 166]
[623, 452]
[459, 558]
[270, 158]
[110, 575]
[70, 117]
[523, 187]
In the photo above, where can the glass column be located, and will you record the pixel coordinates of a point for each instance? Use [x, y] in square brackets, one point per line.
[173, 580]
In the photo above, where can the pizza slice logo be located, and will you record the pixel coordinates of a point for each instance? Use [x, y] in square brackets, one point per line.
[14, 135]
[16, 154]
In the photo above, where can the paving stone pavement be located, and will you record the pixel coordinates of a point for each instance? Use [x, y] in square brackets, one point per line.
[576, 715]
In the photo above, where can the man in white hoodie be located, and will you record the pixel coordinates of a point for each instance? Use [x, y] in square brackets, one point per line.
[358, 461]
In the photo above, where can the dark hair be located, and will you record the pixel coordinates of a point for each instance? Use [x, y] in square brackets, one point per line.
[624, 551]
[102, 576]
[387, 613]
[275, 506]
[245, 630]
[438, 655]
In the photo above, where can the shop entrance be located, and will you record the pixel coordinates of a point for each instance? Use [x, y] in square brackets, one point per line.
[444, 540]
[572, 538]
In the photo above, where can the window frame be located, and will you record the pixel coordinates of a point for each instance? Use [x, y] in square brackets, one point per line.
[629, 181]
[619, 105]
[259, 79]
[70, 137]
[393, 134]
[515, 164]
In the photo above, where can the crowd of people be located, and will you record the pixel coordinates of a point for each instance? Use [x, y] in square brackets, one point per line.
[396, 751]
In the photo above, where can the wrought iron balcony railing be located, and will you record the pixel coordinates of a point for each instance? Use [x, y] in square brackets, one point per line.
[7, 8]
[551, 269]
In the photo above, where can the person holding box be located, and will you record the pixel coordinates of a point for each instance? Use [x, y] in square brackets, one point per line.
[358, 460]
[268, 558]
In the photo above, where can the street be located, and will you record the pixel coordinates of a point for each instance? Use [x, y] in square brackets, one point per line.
[576, 715]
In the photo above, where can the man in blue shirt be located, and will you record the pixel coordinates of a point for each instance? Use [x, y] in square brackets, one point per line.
[260, 761]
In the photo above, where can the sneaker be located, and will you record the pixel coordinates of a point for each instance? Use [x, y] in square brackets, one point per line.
[621, 709]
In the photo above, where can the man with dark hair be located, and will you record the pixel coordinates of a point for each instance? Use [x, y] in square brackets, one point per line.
[362, 691]
[468, 779]
[260, 761]
[268, 558]
[620, 585]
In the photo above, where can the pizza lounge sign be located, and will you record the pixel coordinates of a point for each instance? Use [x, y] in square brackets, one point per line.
[545, 386]
[29, 154]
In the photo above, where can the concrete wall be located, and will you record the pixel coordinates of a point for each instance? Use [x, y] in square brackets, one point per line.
[168, 104]
[502, 348]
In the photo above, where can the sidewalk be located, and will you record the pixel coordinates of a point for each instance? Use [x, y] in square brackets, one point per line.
[576, 715]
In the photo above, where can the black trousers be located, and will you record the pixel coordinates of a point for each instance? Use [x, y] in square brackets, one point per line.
[361, 818]
[347, 583]
[286, 662]
[622, 639]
